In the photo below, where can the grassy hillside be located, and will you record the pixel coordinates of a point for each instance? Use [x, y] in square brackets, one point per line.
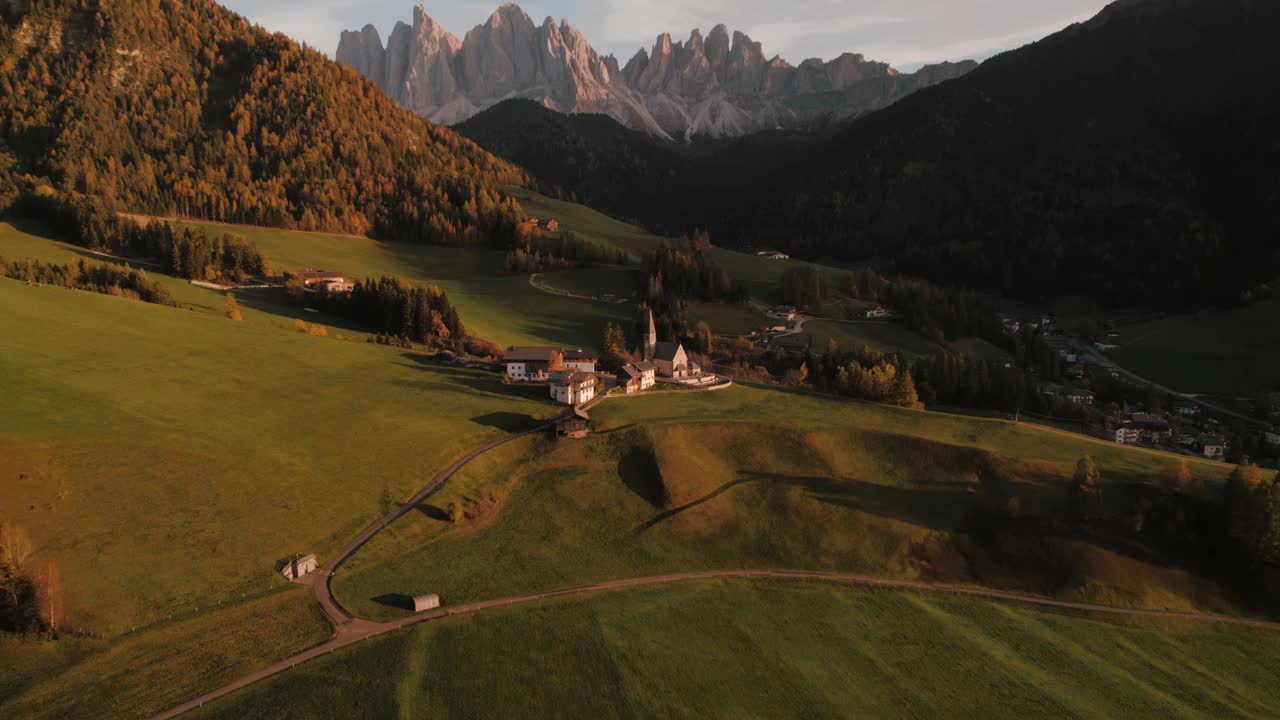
[143, 673]
[1229, 353]
[763, 479]
[505, 309]
[780, 650]
[166, 459]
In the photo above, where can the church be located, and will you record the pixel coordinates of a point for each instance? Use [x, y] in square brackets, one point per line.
[669, 357]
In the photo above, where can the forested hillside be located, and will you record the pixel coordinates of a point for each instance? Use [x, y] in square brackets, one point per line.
[1134, 158]
[168, 106]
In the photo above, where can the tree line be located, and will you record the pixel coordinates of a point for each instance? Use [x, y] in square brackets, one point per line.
[31, 594]
[186, 252]
[96, 277]
[537, 251]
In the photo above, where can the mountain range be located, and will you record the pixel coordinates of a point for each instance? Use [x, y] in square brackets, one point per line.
[721, 85]
[1133, 159]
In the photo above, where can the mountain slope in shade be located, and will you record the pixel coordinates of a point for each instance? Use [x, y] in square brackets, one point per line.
[1134, 158]
[721, 86]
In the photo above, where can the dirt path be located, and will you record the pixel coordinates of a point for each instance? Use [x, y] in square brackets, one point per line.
[349, 629]
[353, 631]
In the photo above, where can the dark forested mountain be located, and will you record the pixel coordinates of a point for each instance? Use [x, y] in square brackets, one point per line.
[584, 158]
[180, 106]
[1135, 157]
[667, 186]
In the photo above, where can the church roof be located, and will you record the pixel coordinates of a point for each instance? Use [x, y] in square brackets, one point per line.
[667, 351]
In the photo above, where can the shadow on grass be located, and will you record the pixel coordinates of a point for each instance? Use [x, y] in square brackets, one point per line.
[506, 421]
[397, 601]
[641, 474]
[432, 511]
[938, 507]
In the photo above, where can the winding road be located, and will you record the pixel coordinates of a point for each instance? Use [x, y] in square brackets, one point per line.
[349, 630]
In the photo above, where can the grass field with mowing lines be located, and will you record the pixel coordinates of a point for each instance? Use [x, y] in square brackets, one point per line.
[769, 650]
[1189, 353]
[146, 672]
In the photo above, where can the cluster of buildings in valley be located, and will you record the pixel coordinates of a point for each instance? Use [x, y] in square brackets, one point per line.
[572, 377]
[321, 281]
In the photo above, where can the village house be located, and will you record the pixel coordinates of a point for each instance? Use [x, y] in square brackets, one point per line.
[311, 276]
[1144, 428]
[572, 387]
[337, 287]
[1079, 397]
[876, 311]
[784, 312]
[1186, 409]
[532, 364]
[637, 377]
[550, 224]
[1128, 434]
[574, 424]
[773, 255]
[581, 360]
[1272, 436]
[1213, 446]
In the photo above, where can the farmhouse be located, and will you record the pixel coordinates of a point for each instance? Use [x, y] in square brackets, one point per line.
[1186, 409]
[574, 424]
[532, 364]
[637, 377]
[572, 387]
[1272, 436]
[1213, 446]
[581, 360]
[1143, 428]
[773, 255]
[550, 224]
[336, 287]
[311, 276]
[877, 311]
[1079, 397]
[297, 566]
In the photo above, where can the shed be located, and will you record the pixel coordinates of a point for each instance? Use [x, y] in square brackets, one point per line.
[574, 424]
[295, 567]
[422, 603]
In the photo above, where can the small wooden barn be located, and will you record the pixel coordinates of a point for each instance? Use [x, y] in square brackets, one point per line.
[422, 603]
[574, 424]
[295, 567]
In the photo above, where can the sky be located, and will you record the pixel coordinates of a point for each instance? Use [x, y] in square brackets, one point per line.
[904, 33]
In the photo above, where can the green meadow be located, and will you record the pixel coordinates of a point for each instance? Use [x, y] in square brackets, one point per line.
[1230, 354]
[749, 478]
[771, 650]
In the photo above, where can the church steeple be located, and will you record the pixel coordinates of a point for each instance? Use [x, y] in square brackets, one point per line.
[650, 336]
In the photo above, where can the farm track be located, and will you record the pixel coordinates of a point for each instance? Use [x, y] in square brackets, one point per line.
[349, 630]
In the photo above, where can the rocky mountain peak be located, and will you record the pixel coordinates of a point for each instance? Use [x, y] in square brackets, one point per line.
[720, 85]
